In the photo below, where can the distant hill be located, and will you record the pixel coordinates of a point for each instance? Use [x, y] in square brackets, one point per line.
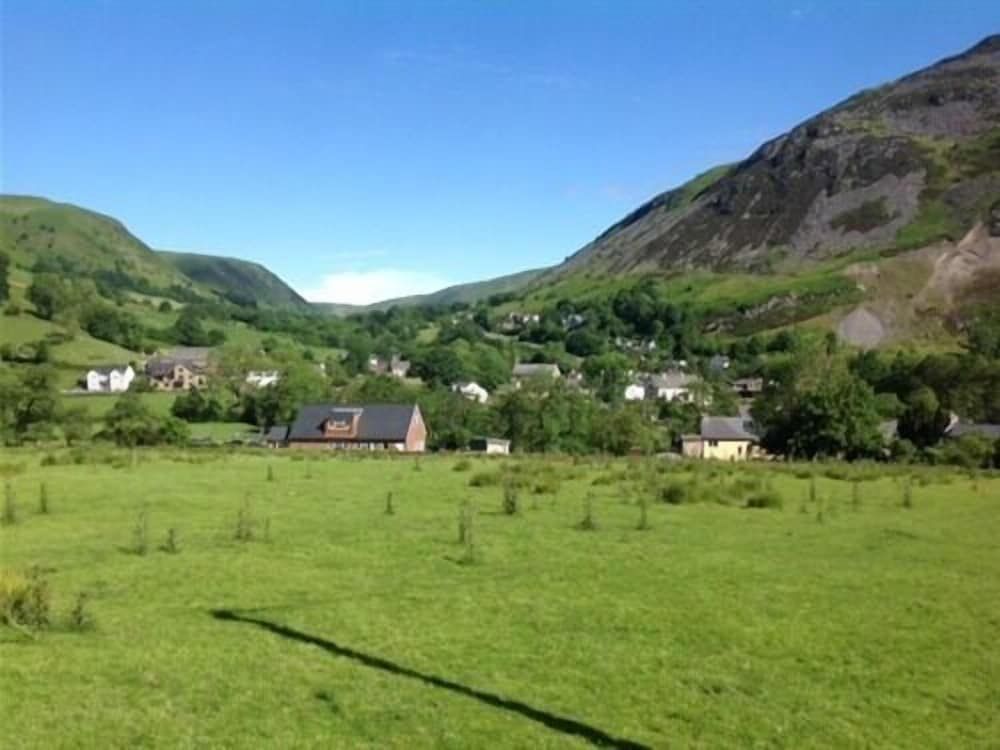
[896, 167]
[472, 292]
[237, 280]
[44, 235]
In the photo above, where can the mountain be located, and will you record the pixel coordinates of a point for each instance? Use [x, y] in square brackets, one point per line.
[472, 292]
[41, 234]
[237, 280]
[894, 168]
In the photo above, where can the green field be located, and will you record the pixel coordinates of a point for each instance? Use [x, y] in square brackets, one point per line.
[826, 623]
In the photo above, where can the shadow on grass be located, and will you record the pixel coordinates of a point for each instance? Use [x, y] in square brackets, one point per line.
[557, 723]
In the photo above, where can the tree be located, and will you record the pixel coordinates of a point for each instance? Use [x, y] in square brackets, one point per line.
[299, 384]
[48, 294]
[29, 401]
[835, 417]
[440, 364]
[189, 330]
[200, 406]
[607, 373]
[131, 423]
[923, 421]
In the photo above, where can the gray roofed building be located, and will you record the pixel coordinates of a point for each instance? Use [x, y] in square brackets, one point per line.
[370, 426]
[535, 370]
[277, 435]
[727, 428]
[981, 429]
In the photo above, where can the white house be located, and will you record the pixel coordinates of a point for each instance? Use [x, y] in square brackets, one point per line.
[635, 392]
[535, 371]
[672, 386]
[262, 378]
[113, 379]
[489, 445]
[472, 391]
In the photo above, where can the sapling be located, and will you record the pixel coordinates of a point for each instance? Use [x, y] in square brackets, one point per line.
[907, 493]
[80, 618]
[389, 508]
[270, 473]
[244, 523]
[172, 544]
[466, 526]
[588, 523]
[140, 533]
[510, 498]
[43, 499]
[9, 515]
[643, 515]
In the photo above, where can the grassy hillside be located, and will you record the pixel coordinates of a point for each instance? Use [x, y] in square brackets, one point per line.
[70, 240]
[831, 623]
[239, 281]
[469, 293]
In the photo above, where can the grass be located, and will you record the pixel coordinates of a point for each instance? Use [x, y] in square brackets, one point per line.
[717, 627]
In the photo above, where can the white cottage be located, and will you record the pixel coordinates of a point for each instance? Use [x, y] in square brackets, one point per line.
[111, 379]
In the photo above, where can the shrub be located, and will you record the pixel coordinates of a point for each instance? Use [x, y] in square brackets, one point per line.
[643, 524]
[24, 599]
[674, 493]
[765, 499]
[511, 502]
[588, 523]
[546, 485]
[43, 499]
[245, 523]
[80, 619]
[389, 508]
[270, 473]
[171, 545]
[485, 479]
[8, 517]
[140, 533]
[463, 464]
[907, 493]
[466, 536]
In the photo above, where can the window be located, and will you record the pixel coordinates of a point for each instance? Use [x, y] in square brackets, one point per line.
[713, 443]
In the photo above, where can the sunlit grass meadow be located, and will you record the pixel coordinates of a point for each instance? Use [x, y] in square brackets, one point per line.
[841, 619]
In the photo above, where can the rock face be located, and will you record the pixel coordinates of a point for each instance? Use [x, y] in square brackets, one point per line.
[870, 172]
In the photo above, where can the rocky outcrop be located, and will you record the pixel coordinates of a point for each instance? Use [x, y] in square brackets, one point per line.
[921, 153]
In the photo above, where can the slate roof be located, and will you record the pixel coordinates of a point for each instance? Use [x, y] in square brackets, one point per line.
[277, 434]
[531, 369]
[379, 423]
[108, 369]
[673, 380]
[159, 367]
[983, 429]
[726, 428]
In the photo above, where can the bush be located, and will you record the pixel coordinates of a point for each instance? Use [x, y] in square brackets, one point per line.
[24, 599]
[510, 498]
[80, 619]
[765, 499]
[463, 464]
[8, 517]
[485, 479]
[674, 493]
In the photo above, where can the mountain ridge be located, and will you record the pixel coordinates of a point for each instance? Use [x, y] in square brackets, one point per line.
[900, 165]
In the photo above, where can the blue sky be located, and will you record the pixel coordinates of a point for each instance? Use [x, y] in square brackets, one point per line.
[369, 149]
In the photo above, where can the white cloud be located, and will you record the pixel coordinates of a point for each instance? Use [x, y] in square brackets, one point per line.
[365, 287]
